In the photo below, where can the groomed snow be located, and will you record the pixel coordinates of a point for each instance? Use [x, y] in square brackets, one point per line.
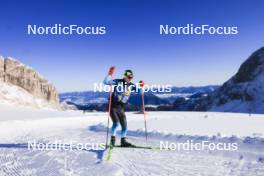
[26, 124]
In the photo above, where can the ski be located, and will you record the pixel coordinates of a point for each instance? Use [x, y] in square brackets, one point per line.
[110, 151]
[109, 154]
[135, 146]
[139, 147]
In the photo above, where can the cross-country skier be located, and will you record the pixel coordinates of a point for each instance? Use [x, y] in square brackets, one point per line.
[118, 101]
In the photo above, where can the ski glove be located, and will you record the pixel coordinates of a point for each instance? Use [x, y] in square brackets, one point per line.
[142, 83]
[111, 71]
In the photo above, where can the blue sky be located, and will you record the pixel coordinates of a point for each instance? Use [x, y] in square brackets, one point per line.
[133, 40]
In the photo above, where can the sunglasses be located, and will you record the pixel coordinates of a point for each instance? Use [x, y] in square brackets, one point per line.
[130, 77]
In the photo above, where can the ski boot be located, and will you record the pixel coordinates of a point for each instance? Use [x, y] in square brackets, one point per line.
[112, 141]
[124, 143]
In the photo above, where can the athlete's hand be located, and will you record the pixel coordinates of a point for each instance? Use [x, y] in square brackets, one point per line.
[111, 71]
[142, 83]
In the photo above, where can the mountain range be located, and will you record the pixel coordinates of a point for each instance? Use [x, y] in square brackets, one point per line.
[243, 92]
[90, 100]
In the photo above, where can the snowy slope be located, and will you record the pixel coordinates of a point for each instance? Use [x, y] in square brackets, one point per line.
[243, 92]
[14, 95]
[48, 126]
[253, 89]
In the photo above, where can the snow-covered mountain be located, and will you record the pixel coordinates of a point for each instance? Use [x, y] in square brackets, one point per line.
[21, 85]
[97, 100]
[244, 92]
[186, 92]
[90, 100]
[85, 97]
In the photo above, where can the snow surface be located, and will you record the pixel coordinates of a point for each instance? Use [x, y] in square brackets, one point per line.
[14, 95]
[19, 125]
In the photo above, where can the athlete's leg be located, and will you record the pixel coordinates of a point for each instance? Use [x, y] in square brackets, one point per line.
[123, 121]
[115, 120]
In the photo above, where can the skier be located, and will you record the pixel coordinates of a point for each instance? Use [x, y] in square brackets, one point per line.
[118, 100]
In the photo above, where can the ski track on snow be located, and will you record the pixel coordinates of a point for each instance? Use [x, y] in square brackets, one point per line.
[17, 160]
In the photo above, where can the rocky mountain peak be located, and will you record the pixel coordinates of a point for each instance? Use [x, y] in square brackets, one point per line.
[244, 92]
[13, 72]
[251, 68]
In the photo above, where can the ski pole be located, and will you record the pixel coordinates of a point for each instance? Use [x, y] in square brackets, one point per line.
[143, 109]
[111, 72]
[109, 114]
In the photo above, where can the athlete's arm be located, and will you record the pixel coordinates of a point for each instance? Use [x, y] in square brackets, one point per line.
[109, 78]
